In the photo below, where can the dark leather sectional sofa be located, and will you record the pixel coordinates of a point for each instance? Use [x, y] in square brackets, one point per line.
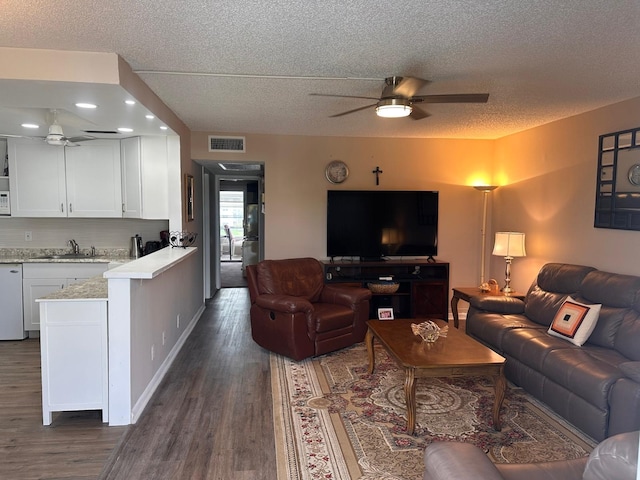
[596, 386]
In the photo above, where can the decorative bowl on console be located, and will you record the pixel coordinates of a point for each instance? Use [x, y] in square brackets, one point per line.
[383, 286]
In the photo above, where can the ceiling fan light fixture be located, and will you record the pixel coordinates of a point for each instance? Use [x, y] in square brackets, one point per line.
[394, 108]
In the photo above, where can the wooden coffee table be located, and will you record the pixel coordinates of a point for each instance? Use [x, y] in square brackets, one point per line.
[456, 355]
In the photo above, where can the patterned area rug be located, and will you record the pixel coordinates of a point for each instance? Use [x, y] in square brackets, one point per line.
[335, 421]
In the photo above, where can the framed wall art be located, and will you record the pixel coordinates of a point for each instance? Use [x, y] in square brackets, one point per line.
[618, 181]
[188, 197]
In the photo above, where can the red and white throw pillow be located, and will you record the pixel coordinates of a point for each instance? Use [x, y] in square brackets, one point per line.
[575, 321]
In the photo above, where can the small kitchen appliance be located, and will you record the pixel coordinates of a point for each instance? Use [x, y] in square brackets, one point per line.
[5, 207]
[136, 247]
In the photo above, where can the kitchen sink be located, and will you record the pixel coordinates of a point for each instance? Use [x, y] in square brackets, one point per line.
[69, 256]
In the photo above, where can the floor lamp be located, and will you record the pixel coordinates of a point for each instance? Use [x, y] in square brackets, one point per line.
[486, 190]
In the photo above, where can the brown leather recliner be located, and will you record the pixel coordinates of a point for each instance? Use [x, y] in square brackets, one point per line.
[295, 314]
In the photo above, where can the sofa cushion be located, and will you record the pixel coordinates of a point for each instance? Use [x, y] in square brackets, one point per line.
[581, 373]
[631, 370]
[554, 282]
[574, 321]
[330, 316]
[532, 345]
[618, 295]
[491, 327]
[628, 338]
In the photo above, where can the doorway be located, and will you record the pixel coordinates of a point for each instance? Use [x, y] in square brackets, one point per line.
[235, 222]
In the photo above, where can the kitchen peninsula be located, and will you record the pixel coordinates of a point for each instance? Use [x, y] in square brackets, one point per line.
[129, 324]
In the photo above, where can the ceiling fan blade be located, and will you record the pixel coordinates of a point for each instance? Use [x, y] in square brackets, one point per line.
[408, 86]
[452, 98]
[7, 135]
[341, 96]
[82, 138]
[418, 113]
[353, 111]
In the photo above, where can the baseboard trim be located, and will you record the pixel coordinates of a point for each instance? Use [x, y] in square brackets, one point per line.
[144, 399]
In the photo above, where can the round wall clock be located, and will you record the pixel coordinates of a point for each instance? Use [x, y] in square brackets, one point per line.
[336, 171]
[634, 174]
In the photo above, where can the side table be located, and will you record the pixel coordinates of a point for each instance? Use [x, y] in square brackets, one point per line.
[465, 293]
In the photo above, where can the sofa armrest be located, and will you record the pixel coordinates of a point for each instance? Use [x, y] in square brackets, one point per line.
[460, 461]
[506, 305]
[347, 296]
[631, 370]
[284, 303]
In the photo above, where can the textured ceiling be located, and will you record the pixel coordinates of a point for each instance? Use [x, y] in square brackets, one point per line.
[250, 65]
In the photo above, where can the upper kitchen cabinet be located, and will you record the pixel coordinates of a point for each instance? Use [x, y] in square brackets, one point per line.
[145, 178]
[94, 179]
[52, 181]
[37, 180]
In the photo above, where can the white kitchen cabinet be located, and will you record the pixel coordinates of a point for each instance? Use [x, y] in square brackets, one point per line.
[74, 356]
[145, 178]
[40, 279]
[37, 179]
[53, 181]
[94, 179]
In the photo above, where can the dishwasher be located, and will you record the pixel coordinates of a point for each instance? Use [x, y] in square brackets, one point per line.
[11, 320]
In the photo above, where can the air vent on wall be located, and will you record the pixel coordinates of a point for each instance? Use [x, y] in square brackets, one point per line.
[226, 144]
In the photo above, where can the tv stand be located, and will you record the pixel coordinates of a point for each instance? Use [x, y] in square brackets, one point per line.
[423, 291]
[372, 259]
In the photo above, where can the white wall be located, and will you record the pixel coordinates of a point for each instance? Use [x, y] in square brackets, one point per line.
[143, 316]
[55, 232]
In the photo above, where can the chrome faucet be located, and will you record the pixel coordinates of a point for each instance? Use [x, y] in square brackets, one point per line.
[74, 246]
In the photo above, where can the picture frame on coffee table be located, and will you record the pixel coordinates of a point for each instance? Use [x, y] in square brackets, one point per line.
[385, 313]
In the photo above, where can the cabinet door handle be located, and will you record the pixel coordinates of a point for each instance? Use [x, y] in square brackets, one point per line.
[62, 207]
[123, 208]
[70, 207]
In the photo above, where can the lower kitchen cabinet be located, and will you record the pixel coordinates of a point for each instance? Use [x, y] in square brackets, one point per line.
[74, 356]
[40, 279]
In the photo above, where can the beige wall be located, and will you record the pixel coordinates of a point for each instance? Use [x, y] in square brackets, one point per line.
[547, 178]
[550, 172]
[295, 187]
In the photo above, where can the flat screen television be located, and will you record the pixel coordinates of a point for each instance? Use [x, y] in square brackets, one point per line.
[373, 224]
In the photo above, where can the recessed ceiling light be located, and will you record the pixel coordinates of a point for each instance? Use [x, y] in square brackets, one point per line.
[129, 102]
[163, 127]
[30, 125]
[86, 105]
[125, 129]
[150, 117]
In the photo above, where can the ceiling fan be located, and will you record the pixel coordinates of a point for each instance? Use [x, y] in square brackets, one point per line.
[399, 97]
[55, 135]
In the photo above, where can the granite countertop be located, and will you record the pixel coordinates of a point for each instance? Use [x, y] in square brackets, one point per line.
[96, 288]
[34, 255]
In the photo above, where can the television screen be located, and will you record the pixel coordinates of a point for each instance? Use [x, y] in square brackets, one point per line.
[376, 224]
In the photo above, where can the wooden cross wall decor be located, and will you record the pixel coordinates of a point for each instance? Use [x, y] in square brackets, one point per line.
[377, 171]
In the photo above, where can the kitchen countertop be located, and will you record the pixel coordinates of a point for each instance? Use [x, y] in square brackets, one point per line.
[33, 255]
[96, 288]
[150, 266]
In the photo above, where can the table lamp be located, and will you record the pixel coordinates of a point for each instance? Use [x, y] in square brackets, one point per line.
[509, 245]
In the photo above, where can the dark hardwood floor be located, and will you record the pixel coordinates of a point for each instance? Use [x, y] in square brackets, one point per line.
[211, 418]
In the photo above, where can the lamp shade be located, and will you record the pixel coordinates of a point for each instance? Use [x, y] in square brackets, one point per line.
[509, 244]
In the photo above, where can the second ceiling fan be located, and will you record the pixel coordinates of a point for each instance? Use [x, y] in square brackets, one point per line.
[399, 97]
